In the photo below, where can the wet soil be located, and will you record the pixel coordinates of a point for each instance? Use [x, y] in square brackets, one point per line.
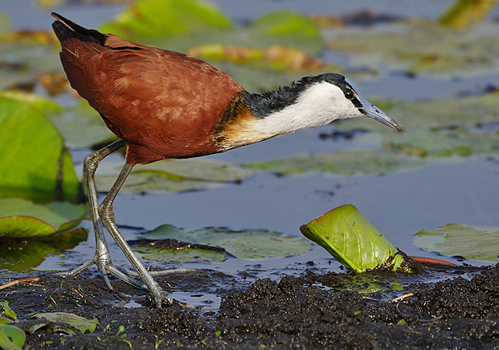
[295, 312]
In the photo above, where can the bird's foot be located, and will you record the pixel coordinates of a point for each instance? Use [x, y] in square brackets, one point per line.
[107, 267]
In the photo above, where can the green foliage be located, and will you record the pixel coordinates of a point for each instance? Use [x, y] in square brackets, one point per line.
[35, 163]
[348, 236]
[22, 254]
[172, 176]
[346, 163]
[474, 243]
[166, 18]
[82, 324]
[11, 338]
[246, 244]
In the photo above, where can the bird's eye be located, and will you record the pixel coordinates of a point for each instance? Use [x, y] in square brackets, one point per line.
[349, 94]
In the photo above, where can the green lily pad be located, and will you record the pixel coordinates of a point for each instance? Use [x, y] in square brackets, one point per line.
[180, 25]
[172, 176]
[4, 25]
[426, 115]
[11, 337]
[423, 47]
[28, 62]
[22, 218]
[35, 163]
[346, 163]
[245, 244]
[166, 18]
[81, 126]
[23, 254]
[82, 324]
[473, 243]
[444, 143]
[354, 241]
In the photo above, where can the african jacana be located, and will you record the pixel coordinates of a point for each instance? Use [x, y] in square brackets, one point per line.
[164, 104]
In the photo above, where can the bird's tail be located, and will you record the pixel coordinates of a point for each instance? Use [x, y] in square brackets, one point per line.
[65, 29]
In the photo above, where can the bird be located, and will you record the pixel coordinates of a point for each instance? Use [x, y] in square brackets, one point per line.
[163, 104]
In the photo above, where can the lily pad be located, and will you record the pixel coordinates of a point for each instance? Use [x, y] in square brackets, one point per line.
[23, 254]
[180, 25]
[473, 243]
[166, 18]
[245, 244]
[426, 115]
[354, 241]
[444, 143]
[346, 163]
[11, 337]
[172, 176]
[35, 163]
[22, 218]
[82, 324]
[423, 47]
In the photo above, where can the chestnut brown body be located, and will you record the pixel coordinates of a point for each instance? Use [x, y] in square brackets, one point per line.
[163, 104]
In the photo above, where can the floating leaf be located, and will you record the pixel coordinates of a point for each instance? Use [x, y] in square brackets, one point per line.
[347, 163]
[474, 243]
[11, 338]
[166, 18]
[35, 163]
[172, 176]
[22, 218]
[276, 57]
[348, 236]
[443, 143]
[22, 254]
[421, 115]
[82, 324]
[464, 12]
[4, 25]
[422, 46]
[246, 244]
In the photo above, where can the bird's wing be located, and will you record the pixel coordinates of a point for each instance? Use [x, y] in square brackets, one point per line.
[157, 99]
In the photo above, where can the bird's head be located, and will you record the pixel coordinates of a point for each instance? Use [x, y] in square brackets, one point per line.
[312, 101]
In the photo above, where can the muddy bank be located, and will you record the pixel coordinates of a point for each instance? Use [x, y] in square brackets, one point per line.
[292, 313]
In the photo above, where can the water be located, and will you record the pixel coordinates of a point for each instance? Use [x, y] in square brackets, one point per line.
[462, 190]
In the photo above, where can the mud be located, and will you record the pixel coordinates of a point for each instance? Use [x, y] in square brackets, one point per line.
[295, 312]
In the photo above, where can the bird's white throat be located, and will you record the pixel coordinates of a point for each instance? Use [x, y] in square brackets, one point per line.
[320, 104]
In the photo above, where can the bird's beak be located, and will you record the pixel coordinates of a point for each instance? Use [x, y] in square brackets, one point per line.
[374, 112]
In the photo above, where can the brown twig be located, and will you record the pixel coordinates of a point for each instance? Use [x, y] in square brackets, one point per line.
[22, 280]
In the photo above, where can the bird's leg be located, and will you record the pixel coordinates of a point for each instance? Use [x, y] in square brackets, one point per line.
[107, 217]
[102, 257]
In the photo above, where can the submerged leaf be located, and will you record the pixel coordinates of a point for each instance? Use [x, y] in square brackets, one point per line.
[474, 243]
[421, 115]
[443, 143]
[246, 244]
[276, 57]
[22, 254]
[422, 46]
[354, 241]
[172, 176]
[355, 162]
[82, 324]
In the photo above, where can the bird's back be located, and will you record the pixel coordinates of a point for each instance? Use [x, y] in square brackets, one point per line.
[164, 104]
